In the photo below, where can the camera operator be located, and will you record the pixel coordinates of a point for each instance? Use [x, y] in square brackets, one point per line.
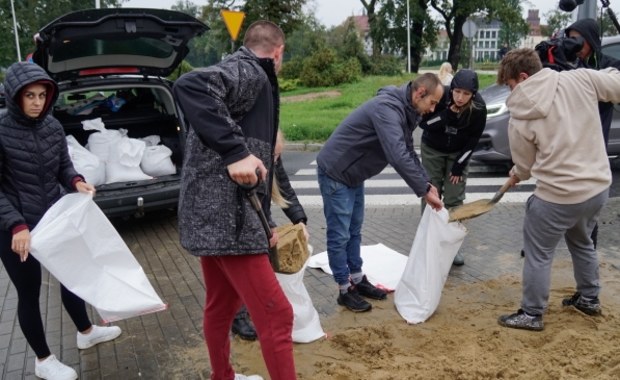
[590, 56]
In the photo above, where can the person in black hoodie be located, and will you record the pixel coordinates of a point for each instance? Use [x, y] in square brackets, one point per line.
[35, 172]
[591, 57]
[232, 108]
[450, 135]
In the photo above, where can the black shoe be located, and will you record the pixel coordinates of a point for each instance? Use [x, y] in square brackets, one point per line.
[366, 289]
[591, 307]
[352, 301]
[521, 320]
[243, 327]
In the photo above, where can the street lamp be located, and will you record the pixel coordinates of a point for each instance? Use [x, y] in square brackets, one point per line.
[408, 41]
[19, 54]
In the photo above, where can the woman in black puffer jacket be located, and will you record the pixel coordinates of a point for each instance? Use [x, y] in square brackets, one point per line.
[35, 171]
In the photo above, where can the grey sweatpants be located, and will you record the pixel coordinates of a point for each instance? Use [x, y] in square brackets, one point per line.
[544, 225]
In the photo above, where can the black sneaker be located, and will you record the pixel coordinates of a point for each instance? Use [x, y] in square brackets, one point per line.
[243, 326]
[366, 289]
[352, 301]
[521, 320]
[591, 307]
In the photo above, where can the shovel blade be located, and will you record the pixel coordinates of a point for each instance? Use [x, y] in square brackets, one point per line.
[470, 210]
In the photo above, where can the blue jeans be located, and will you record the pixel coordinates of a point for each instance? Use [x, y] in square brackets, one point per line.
[344, 213]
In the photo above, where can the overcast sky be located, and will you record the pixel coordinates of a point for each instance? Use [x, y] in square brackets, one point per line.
[333, 12]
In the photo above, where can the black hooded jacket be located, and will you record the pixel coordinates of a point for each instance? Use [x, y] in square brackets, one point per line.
[589, 30]
[35, 167]
[451, 132]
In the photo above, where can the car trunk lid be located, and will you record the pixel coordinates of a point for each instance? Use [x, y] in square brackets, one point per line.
[115, 41]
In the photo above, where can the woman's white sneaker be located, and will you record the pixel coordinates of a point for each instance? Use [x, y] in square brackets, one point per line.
[98, 334]
[239, 376]
[52, 369]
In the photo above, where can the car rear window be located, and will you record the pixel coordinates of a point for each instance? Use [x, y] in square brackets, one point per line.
[96, 47]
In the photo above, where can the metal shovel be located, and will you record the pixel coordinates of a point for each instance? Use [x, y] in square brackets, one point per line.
[477, 208]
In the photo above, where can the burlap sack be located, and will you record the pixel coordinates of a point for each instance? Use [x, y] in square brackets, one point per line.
[291, 252]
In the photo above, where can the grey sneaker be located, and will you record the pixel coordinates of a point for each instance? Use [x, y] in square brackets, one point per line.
[458, 260]
[590, 307]
[521, 320]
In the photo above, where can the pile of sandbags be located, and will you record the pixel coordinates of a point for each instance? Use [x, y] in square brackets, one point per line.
[115, 157]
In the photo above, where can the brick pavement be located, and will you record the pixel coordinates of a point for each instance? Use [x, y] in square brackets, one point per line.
[168, 345]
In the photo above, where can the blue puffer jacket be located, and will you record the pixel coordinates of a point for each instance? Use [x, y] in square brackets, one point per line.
[34, 159]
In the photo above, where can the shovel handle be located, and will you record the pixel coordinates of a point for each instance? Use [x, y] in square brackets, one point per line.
[501, 191]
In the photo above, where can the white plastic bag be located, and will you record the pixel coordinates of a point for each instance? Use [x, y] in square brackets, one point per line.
[99, 143]
[79, 246]
[435, 245]
[124, 161]
[86, 163]
[156, 161]
[306, 323]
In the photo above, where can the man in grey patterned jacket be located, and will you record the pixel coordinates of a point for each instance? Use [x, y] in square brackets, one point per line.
[232, 108]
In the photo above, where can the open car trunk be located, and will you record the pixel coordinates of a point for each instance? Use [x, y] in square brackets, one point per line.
[142, 111]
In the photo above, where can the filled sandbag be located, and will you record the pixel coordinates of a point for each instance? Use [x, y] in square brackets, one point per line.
[156, 161]
[86, 163]
[124, 161]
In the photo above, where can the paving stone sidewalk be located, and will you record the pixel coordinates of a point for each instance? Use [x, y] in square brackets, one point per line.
[163, 345]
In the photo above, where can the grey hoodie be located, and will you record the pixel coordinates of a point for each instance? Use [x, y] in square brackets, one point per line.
[377, 133]
[554, 132]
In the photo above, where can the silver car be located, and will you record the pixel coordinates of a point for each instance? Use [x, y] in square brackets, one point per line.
[493, 146]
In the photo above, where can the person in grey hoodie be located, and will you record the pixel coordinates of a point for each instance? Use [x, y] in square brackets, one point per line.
[554, 134]
[376, 134]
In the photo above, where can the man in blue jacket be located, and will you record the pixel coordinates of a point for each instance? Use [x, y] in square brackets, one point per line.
[377, 133]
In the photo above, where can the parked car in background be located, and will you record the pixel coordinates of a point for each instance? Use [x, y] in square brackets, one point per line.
[493, 147]
[111, 64]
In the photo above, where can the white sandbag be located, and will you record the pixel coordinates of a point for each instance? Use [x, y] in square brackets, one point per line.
[151, 140]
[306, 323]
[79, 246]
[86, 163]
[156, 161]
[435, 245]
[100, 142]
[124, 161]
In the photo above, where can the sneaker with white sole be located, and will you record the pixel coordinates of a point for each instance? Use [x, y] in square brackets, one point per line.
[239, 376]
[522, 320]
[98, 334]
[52, 369]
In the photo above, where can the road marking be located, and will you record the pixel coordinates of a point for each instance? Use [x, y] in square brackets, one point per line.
[400, 183]
[412, 200]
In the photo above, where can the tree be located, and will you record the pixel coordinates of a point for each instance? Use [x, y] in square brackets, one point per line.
[369, 6]
[392, 29]
[454, 16]
[31, 16]
[345, 39]
[287, 14]
[556, 21]
[607, 26]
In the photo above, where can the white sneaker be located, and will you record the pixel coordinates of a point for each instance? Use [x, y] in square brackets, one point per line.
[52, 369]
[239, 376]
[98, 334]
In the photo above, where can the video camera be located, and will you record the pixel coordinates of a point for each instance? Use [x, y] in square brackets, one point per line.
[560, 53]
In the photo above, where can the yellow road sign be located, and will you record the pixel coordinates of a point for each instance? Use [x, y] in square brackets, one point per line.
[233, 21]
